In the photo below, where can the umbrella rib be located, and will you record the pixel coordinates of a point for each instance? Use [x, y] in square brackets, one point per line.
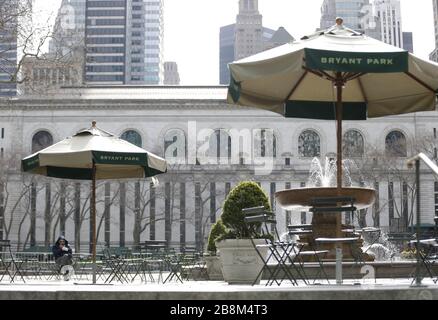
[421, 82]
[314, 72]
[353, 76]
[296, 86]
[320, 73]
[329, 77]
[347, 75]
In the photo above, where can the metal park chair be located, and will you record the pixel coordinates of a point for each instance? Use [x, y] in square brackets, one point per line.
[281, 255]
[193, 264]
[427, 253]
[312, 252]
[9, 265]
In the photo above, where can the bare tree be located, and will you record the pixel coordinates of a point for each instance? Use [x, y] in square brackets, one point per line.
[23, 55]
[377, 166]
[23, 35]
[140, 195]
[204, 215]
[107, 203]
[14, 196]
[427, 143]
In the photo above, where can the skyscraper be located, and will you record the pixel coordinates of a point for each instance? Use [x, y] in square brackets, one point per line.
[69, 30]
[389, 18]
[171, 75]
[380, 19]
[124, 42]
[434, 54]
[280, 37]
[63, 65]
[370, 22]
[408, 41]
[328, 14]
[249, 30]
[106, 42]
[242, 39]
[144, 43]
[349, 10]
[8, 49]
[226, 51]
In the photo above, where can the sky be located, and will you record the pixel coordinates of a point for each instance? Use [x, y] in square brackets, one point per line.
[191, 28]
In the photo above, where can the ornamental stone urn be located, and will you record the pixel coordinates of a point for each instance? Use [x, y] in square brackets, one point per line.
[240, 262]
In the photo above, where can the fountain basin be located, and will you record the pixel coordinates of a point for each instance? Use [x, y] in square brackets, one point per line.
[295, 199]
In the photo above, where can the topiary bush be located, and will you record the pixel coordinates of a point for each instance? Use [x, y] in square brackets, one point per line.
[217, 230]
[244, 195]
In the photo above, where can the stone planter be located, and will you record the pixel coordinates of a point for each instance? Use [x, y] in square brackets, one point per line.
[240, 262]
[214, 268]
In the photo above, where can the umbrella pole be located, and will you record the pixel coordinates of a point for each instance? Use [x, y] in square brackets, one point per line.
[339, 85]
[93, 216]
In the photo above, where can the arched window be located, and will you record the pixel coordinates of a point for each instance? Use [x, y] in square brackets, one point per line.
[395, 144]
[309, 144]
[175, 144]
[353, 144]
[265, 143]
[41, 140]
[220, 146]
[133, 137]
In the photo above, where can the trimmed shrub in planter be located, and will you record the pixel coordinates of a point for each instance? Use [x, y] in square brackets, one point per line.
[214, 266]
[217, 230]
[244, 195]
[240, 262]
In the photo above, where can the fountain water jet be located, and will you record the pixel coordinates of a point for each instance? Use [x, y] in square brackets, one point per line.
[322, 184]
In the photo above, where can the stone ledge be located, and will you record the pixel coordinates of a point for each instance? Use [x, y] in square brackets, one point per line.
[217, 291]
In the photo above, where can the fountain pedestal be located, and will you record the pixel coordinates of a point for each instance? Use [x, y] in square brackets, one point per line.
[328, 224]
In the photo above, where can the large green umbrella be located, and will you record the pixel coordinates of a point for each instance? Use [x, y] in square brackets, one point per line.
[94, 154]
[335, 74]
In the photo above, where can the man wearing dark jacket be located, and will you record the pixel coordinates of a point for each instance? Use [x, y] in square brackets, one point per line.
[62, 252]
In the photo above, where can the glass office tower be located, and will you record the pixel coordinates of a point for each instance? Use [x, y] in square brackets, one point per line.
[124, 42]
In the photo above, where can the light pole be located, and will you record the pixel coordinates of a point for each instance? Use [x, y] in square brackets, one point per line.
[417, 243]
[416, 160]
[435, 233]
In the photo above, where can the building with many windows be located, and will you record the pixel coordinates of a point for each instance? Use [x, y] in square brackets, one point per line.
[378, 19]
[389, 17]
[124, 42]
[8, 49]
[171, 74]
[349, 10]
[246, 37]
[226, 51]
[50, 72]
[69, 31]
[408, 41]
[210, 147]
[280, 37]
[249, 30]
[63, 64]
[434, 54]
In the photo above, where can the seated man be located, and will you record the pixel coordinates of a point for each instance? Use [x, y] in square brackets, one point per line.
[63, 254]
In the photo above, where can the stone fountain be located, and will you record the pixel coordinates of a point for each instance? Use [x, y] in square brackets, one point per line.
[327, 224]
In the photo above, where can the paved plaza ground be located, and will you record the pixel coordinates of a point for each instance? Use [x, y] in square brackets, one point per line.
[387, 289]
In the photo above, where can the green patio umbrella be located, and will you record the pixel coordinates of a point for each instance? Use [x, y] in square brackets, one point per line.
[335, 74]
[94, 154]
